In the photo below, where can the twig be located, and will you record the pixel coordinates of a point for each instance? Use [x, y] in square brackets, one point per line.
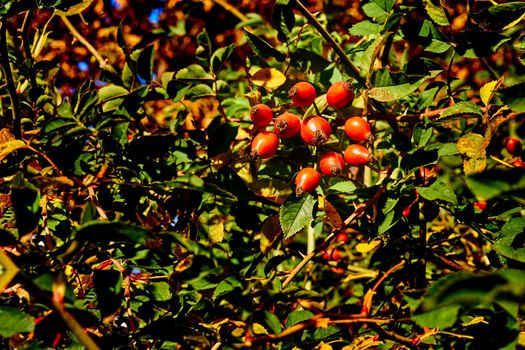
[101, 61]
[352, 70]
[43, 155]
[13, 96]
[233, 10]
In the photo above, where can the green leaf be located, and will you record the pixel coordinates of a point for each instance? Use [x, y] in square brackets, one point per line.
[391, 216]
[510, 240]
[436, 13]
[395, 92]
[221, 138]
[439, 190]
[365, 28]
[344, 187]
[296, 213]
[193, 72]
[385, 5]
[13, 321]
[373, 10]
[26, 204]
[161, 291]
[470, 290]
[221, 55]
[273, 322]
[422, 134]
[226, 286]
[298, 316]
[493, 183]
[461, 109]
[438, 46]
[263, 48]
[203, 51]
[441, 318]
[500, 16]
[101, 231]
[145, 63]
[109, 92]
[514, 97]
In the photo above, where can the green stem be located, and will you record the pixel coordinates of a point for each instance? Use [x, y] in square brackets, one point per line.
[8, 73]
[352, 70]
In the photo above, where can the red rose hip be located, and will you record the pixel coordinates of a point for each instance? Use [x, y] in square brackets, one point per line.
[306, 181]
[513, 145]
[358, 129]
[332, 164]
[315, 130]
[261, 115]
[302, 94]
[264, 145]
[357, 155]
[340, 95]
[287, 125]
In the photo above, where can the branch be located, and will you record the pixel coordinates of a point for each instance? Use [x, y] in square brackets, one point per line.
[101, 61]
[13, 96]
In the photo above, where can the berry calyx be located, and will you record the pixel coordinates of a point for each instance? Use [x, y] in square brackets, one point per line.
[358, 129]
[306, 181]
[513, 145]
[332, 164]
[287, 125]
[261, 115]
[340, 95]
[302, 94]
[358, 155]
[315, 130]
[264, 145]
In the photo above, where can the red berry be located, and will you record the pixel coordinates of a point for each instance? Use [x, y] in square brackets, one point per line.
[306, 181]
[340, 94]
[513, 145]
[315, 130]
[332, 164]
[358, 129]
[261, 115]
[518, 163]
[342, 237]
[302, 94]
[264, 145]
[481, 205]
[357, 155]
[332, 254]
[287, 125]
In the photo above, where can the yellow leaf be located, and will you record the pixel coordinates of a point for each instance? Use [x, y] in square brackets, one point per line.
[258, 329]
[323, 346]
[269, 78]
[487, 91]
[10, 146]
[76, 9]
[216, 233]
[364, 248]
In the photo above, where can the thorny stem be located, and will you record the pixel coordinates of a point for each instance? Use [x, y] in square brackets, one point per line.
[8, 73]
[306, 259]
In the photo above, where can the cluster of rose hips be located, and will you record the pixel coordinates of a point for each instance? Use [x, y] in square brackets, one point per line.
[314, 131]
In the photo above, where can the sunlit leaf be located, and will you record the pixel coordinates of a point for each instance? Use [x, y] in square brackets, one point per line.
[296, 213]
[269, 78]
